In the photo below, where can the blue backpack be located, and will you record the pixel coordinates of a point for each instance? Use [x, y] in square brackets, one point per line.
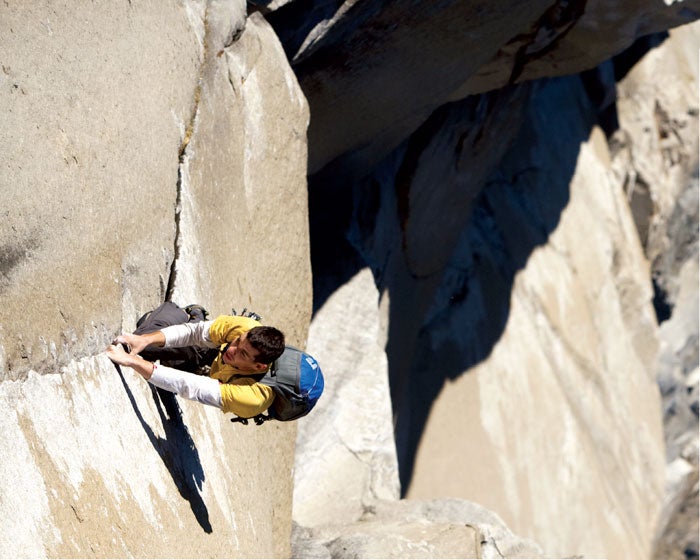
[297, 381]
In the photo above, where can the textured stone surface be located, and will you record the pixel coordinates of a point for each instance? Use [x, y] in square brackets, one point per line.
[100, 466]
[355, 438]
[89, 159]
[575, 364]
[529, 344]
[146, 145]
[243, 221]
[447, 528]
[515, 305]
[374, 71]
[484, 278]
[656, 159]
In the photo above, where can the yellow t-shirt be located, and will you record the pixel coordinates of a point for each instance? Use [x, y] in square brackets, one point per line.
[241, 396]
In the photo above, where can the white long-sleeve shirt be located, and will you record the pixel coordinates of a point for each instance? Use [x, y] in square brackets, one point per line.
[188, 334]
[188, 385]
[194, 387]
[225, 388]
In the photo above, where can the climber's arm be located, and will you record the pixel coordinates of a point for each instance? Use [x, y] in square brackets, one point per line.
[119, 356]
[197, 388]
[138, 342]
[194, 387]
[175, 336]
[188, 334]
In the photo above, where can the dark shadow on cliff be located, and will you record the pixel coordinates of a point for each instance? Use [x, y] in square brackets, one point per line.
[176, 449]
[443, 325]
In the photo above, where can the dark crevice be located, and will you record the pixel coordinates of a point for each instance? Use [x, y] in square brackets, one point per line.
[176, 250]
[182, 156]
[417, 144]
[178, 196]
[550, 28]
[662, 306]
[189, 131]
[601, 87]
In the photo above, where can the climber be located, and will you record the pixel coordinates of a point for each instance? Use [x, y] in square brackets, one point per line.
[246, 350]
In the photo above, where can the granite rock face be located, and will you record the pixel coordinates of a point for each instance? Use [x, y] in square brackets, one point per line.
[144, 145]
[501, 215]
[656, 158]
[514, 282]
[373, 71]
[446, 528]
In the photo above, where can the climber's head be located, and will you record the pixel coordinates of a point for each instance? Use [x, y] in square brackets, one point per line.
[255, 350]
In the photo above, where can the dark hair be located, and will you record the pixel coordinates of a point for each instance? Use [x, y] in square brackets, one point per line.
[268, 341]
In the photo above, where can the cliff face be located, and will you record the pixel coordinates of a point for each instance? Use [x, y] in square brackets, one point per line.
[497, 216]
[145, 146]
[374, 71]
[658, 110]
[491, 230]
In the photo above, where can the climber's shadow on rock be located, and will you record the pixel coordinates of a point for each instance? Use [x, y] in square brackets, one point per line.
[176, 449]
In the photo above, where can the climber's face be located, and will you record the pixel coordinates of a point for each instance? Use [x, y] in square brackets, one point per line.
[242, 356]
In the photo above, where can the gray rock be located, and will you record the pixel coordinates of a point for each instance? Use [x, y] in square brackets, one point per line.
[446, 528]
[656, 157]
[91, 133]
[245, 158]
[149, 152]
[517, 319]
[373, 72]
[495, 298]
[345, 447]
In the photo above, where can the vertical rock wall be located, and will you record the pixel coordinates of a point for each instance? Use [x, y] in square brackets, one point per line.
[655, 157]
[565, 408]
[150, 150]
[528, 385]
[513, 291]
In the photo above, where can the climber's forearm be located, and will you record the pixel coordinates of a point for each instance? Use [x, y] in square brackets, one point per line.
[139, 342]
[194, 387]
[188, 334]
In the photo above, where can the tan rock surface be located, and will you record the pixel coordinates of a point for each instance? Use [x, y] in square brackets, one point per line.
[656, 159]
[95, 100]
[523, 372]
[135, 134]
[575, 366]
[243, 222]
[442, 528]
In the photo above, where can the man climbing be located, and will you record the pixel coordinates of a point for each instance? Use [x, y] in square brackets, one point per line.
[245, 351]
